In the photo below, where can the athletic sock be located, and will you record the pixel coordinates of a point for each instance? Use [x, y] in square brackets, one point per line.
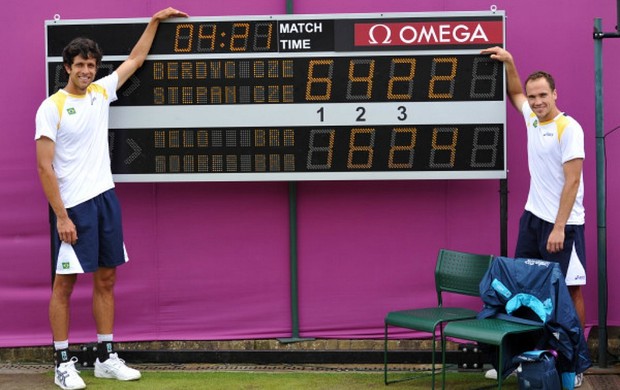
[61, 352]
[61, 356]
[104, 349]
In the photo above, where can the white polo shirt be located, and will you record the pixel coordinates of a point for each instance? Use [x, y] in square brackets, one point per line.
[79, 127]
[549, 145]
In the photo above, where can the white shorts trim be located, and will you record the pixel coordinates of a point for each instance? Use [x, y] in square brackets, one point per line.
[575, 274]
[68, 262]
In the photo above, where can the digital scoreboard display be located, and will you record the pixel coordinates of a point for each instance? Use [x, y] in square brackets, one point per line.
[302, 97]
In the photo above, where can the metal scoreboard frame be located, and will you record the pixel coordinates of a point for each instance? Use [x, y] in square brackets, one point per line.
[395, 96]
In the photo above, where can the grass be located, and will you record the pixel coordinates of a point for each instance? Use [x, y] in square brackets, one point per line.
[252, 380]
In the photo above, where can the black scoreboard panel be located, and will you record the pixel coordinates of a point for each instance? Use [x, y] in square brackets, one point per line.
[338, 97]
[309, 149]
[325, 79]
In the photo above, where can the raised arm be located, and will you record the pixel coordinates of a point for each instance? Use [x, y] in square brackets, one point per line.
[141, 49]
[513, 82]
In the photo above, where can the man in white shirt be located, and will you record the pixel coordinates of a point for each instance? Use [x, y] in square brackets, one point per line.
[74, 168]
[552, 225]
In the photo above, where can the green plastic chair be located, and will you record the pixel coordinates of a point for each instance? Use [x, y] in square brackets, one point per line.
[455, 272]
[492, 331]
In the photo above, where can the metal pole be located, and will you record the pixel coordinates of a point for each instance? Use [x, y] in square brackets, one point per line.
[600, 199]
[292, 199]
[618, 16]
[503, 216]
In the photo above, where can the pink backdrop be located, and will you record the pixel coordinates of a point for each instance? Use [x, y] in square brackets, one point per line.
[211, 260]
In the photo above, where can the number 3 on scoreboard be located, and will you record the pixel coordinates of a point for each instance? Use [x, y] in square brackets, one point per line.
[402, 111]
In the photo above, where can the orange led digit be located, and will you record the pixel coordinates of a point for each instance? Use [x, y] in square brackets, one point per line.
[449, 78]
[206, 37]
[399, 150]
[239, 36]
[322, 83]
[362, 84]
[438, 159]
[359, 153]
[405, 79]
[183, 38]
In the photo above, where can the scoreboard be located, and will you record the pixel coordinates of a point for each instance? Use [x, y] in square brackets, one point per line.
[302, 97]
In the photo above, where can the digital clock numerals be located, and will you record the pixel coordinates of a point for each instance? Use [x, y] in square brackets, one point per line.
[307, 149]
[422, 78]
[462, 147]
[224, 37]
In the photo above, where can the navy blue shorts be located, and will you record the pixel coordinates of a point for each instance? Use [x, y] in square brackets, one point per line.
[100, 237]
[532, 244]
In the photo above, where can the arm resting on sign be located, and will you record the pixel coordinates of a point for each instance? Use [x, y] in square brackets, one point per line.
[141, 49]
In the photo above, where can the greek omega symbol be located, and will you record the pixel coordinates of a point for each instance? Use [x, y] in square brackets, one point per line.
[388, 35]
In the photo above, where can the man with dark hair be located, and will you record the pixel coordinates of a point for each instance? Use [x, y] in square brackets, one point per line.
[74, 168]
[552, 225]
[83, 47]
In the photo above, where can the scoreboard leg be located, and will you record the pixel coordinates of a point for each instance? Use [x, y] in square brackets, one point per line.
[503, 216]
[292, 199]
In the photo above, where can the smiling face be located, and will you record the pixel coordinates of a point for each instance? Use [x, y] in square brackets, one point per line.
[81, 72]
[81, 57]
[542, 98]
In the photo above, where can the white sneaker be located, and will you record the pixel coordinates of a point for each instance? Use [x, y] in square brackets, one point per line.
[115, 368]
[578, 380]
[68, 377]
[492, 373]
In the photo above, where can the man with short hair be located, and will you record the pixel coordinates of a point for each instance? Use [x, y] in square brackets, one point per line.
[74, 168]
[552, 225]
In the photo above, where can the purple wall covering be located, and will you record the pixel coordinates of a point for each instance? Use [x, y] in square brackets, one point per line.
[211, 260]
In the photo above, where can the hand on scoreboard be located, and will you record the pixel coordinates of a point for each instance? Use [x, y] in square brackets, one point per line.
[498, 53]
[169, 13]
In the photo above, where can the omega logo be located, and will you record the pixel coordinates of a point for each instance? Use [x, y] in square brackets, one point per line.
[388, 34]
[418, 33]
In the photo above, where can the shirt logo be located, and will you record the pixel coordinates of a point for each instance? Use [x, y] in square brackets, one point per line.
[537, 262]
[71, 110]
[66, 265]
[535, 124]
